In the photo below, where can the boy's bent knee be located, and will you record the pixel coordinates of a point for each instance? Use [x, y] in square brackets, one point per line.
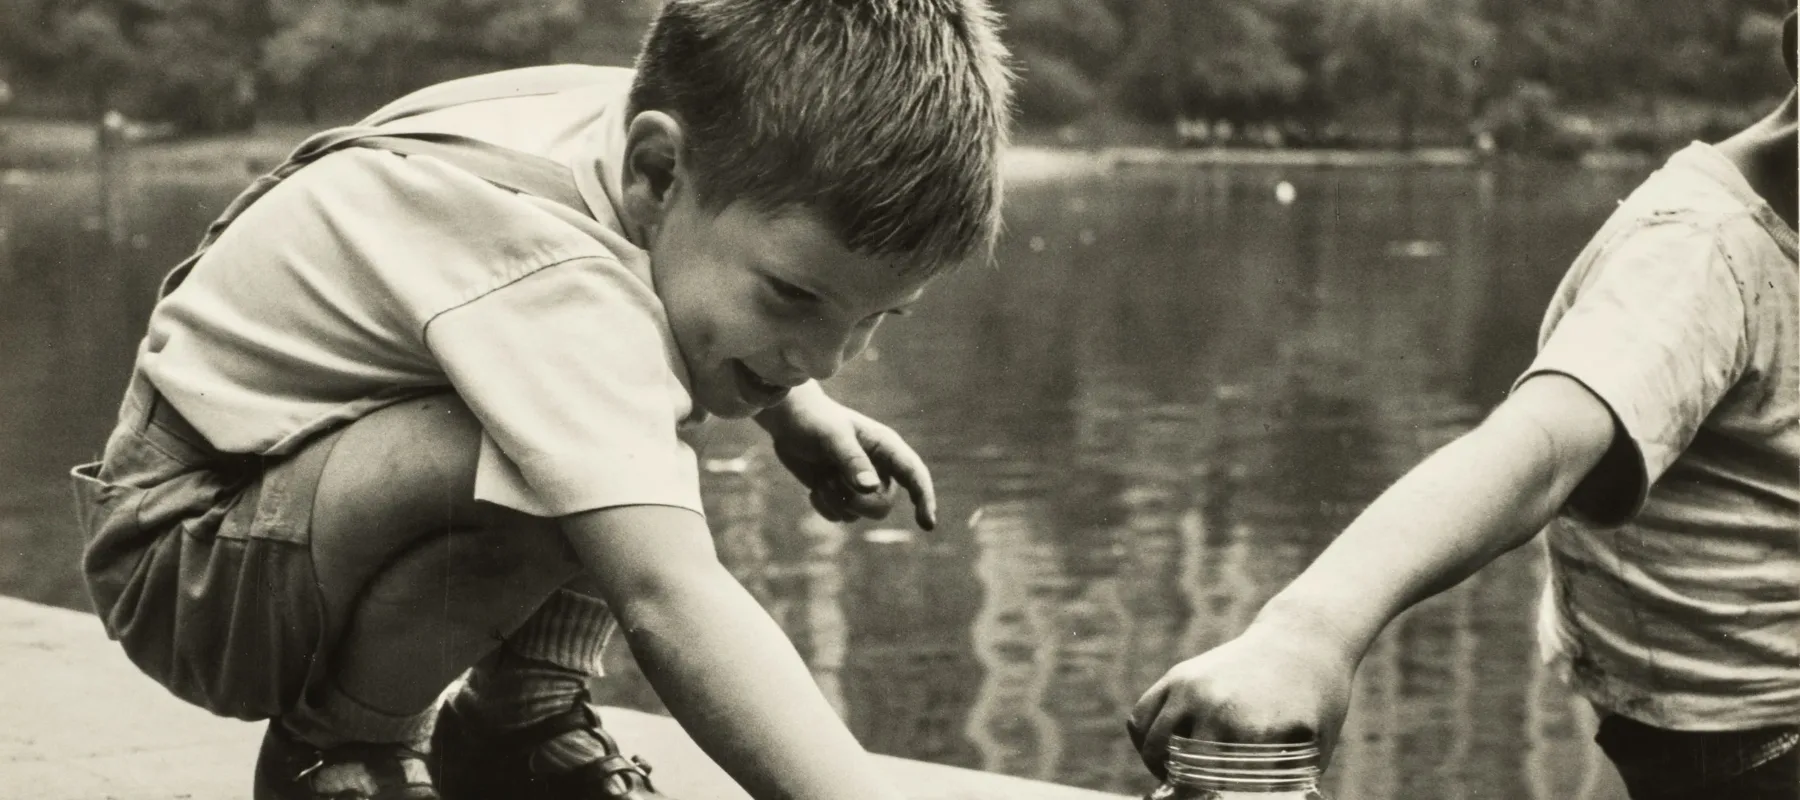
[403, 478]
[409, 465]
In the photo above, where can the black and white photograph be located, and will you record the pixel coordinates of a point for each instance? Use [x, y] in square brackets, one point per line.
[899, 400]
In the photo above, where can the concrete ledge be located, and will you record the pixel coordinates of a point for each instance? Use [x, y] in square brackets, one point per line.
[80, 722]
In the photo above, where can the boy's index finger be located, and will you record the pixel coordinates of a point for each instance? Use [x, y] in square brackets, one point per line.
[917, 480]
[903, 464]
[928, 515]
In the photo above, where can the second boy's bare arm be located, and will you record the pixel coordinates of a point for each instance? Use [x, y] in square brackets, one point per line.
[716, 658]
[1482, 495]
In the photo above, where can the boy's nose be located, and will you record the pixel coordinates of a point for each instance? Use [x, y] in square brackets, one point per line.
[818, 360]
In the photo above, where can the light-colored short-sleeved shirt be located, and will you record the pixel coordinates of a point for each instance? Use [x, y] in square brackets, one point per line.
[1674, 592]
[368, 277]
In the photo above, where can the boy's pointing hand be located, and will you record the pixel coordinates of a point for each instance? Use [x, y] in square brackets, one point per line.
[849, 461]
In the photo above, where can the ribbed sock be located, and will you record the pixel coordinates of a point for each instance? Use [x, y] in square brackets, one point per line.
[542, 670]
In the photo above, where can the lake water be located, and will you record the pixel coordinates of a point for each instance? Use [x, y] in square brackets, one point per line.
[1171, 392]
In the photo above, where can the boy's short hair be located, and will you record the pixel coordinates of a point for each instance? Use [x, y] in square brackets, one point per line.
[885, 117]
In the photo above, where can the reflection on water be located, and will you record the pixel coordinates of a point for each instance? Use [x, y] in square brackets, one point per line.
[1171, 392]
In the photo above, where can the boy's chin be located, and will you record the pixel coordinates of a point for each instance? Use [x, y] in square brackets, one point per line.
[722, 396]
[724, 403]
[738, 411]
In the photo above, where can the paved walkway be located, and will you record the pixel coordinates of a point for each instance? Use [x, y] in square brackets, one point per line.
[77, 722]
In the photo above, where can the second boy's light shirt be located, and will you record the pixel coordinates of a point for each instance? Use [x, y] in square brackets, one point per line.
[368, 277]
[1675, 599]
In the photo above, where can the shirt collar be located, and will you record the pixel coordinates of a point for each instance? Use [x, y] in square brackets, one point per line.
[599, 169]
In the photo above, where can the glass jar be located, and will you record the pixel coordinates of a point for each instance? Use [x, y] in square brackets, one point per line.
[1201, 770]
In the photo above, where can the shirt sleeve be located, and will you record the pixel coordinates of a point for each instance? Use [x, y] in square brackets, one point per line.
[571, 371]
[1656, 330]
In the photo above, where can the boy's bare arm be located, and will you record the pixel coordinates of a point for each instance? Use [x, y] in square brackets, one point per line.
[717, 660]
[1482, 495]
[1477, 498]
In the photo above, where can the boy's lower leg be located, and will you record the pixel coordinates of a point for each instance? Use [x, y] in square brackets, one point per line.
[542, 670]
[419, 625]
[521, 726]
[421, 581]
[426, 582]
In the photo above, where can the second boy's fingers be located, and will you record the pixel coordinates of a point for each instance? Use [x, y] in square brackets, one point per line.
[1135, 727]
[1149, 729]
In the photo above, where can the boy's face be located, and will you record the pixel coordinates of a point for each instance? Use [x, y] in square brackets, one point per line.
[761, 303]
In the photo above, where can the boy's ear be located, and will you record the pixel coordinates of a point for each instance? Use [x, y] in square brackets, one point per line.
[653, 173]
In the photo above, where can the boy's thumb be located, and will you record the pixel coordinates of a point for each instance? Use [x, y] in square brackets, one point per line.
[854, 464]
[863, 476]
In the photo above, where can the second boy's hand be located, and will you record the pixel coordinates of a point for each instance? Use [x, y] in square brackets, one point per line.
[849, 461]
[1289, 674]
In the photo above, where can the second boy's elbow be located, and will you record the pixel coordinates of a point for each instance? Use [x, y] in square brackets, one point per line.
[1537, 476]
[1548, 437]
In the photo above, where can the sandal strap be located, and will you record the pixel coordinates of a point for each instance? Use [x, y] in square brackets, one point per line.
[633, 771]
[583, 717]
[606, 767]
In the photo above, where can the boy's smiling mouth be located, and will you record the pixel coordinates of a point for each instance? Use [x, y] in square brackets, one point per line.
[756, 391]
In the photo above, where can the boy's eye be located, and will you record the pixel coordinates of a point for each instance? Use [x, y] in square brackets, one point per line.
[788, 291]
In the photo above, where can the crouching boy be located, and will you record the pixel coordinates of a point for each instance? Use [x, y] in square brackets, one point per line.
[424, 401]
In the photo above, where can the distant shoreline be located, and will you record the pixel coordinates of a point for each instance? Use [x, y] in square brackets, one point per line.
[36, 145]
[1035, 162]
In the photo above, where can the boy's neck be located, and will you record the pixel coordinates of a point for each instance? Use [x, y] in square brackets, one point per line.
[1765, 154]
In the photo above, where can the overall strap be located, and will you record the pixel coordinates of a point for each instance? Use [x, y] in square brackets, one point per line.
[524, 173]
[509, 169]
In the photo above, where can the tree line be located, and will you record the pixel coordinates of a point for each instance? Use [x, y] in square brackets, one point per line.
[1398, 71]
